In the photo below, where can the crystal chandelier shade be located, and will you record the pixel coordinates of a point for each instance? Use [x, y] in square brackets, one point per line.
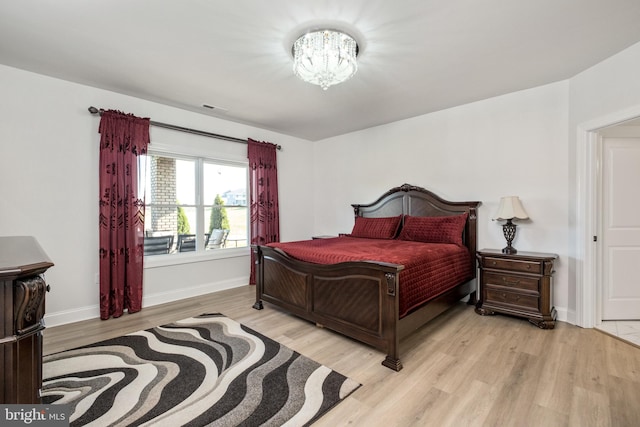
[325, 58]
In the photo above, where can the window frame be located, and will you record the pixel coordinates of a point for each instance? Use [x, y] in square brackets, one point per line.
[200, 254]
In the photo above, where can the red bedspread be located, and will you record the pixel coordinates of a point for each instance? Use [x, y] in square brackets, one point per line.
[429, 268]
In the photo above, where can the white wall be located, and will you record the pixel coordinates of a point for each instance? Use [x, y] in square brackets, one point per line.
[608, 87]
[48, 170]
[514, 144]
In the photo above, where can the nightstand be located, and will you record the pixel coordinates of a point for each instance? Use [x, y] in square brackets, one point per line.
[517, 284]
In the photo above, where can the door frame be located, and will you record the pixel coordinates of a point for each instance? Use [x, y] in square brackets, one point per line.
[588, 205]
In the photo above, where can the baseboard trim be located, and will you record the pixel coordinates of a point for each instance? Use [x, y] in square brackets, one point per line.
[566, 315]
[93, 311]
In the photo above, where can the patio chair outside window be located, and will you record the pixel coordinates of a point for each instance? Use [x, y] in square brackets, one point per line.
[158, 245]
[187, 242]
[218, 238]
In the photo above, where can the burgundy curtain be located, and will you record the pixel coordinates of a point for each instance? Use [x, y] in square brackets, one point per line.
[123, 137]
[263, 197]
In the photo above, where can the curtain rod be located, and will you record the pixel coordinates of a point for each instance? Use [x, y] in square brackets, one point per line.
[94, 110]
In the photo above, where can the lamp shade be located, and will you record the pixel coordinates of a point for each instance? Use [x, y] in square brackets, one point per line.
[510, 208]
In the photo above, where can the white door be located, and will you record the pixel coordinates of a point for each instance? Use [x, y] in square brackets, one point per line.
[621, 229]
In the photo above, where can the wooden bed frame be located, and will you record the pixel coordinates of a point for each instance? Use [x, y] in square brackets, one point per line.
[359, 299]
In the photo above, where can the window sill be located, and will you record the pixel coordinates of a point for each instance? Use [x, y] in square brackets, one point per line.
[156, 261]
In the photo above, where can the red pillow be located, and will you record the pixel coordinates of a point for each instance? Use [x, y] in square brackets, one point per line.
[376, 228]
[434, 229]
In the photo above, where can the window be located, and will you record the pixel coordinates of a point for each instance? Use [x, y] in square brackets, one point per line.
[193, 204]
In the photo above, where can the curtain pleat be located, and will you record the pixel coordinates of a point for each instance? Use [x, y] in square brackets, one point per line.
[123, 137]
[263, 197]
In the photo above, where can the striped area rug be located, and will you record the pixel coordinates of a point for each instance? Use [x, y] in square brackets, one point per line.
[205, 370]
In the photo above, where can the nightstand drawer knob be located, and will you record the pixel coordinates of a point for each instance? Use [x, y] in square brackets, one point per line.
[493, 263]
[512, 282]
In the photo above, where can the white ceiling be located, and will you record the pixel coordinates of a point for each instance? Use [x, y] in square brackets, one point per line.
[416, 56]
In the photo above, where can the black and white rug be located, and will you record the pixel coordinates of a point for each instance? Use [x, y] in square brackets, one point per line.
[205, 370]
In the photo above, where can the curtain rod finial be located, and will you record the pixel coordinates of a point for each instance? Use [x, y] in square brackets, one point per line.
[93, 110]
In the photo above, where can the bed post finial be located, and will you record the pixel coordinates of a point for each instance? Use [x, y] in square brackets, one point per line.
[473, 213]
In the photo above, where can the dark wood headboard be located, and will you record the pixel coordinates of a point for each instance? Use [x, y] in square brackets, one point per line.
[417, 201]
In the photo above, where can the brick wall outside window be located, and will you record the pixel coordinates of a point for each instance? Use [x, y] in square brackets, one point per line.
[163, 191]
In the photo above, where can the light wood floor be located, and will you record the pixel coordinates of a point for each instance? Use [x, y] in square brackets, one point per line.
[461, 369]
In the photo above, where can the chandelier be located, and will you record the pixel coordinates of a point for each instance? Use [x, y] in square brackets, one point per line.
[325, 57]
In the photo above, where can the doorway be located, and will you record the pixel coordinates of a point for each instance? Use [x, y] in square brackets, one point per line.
[589, 255]
[619, 251]
[619, 236]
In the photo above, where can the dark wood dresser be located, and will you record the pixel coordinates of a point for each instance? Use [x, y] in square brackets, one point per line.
[517, 284]
[22, 296]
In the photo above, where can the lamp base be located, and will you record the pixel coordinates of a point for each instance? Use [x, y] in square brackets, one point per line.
[509, 230]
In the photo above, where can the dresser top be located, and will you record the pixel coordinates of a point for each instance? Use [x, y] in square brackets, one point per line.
[519, 255]
[21, 255]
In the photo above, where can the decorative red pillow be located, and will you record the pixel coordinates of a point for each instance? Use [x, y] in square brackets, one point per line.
[434, 229]
[376, 228]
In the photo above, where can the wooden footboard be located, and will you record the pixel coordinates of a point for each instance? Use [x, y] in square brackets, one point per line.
[357, 299]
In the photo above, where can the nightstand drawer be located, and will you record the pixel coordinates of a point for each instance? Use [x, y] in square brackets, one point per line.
[512, 265]
[528, 302]
[512, 281]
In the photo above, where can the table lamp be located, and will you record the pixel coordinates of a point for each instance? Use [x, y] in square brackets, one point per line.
[510, 208]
